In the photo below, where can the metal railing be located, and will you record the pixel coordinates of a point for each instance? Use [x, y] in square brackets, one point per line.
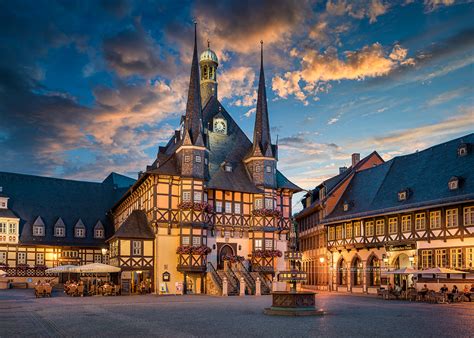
[215, 275]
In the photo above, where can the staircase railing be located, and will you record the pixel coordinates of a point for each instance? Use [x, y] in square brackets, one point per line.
[266, 280]
[215, 275]
[237, 281]
[248, 277]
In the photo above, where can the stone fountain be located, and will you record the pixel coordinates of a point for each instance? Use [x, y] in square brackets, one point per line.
[293, 302]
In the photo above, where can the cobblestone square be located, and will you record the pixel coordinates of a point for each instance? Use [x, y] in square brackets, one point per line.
[199, 316]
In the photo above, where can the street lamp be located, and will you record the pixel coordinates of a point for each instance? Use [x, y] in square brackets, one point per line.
[321, 259]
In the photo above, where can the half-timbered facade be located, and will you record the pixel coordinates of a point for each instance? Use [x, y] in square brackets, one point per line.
[412, 211]
[46, 222]
[212, 195]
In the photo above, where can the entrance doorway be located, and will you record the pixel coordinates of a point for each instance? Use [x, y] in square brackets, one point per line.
[225, 250]
[402, 261]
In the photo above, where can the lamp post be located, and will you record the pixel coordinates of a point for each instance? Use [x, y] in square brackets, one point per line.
[104, 253]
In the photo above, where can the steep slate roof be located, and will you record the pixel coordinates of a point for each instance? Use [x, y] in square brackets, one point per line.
[53, 198]
[425, 173]
[135, 226]
[7, 213]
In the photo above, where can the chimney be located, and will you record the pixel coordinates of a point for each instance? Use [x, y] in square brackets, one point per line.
[355, 159]
[342, 169]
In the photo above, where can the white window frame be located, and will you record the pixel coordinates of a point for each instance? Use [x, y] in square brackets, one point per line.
[38, 230]
[269, 203]
[268, 168]
[468, 216]
[356, 229]
[137, 248]
[369, 228]
[258, 244]
[218, 206]
[452, 220]
[349, 230]
[420, 221]
[79, 232]
[258, 203]
[456, 258]
[380, 227]
[406, 223]
[228, 207]
[393, 225]
[3, 228]
[99, 233]
[11, 228]
[435, 219]
[21, 257]
[186, 196]
[39, 258]
[197, 196]
[237, 208]
[3, 257]
[196, 240]
[198, 158]
[185, 240]
[59, 231]
[268, 244]
[441, 257]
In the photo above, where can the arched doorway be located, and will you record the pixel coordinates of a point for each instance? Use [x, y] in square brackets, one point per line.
[226, 250]
[373, 270]
[402, 261]
[356, 271]
[342, 272]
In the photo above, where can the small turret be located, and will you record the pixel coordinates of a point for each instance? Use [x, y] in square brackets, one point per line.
[208, 63]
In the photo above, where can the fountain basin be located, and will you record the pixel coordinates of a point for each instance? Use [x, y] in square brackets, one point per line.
[285, 303]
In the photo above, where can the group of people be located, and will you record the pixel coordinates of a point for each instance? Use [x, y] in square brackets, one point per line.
[47, 282]
[145, 286]
[467, 292]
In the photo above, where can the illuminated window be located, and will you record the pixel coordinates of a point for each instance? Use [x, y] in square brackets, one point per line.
[369, 228]
[3, 228]
[441, 258]
[331, 233]
[452, 218]
[379, 227]
[426, 259]
[258, 244]
[406, 223]
[12, 228]
[469, 216]
[3, 257]
[435, 219]
[356, 229]
[456, 258]
[187, 158]
[420, 221]
[393, 225]
[339, 232]
[348, 230]
[269, 169]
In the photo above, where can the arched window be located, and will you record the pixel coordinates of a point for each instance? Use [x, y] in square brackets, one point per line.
[356, 270]
[373, 269]
[342, 272]
[204, 72]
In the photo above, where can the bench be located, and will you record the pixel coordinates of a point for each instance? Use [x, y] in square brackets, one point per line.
[19, 285]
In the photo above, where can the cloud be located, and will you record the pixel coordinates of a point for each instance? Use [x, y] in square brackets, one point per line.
[250, 112]
[357, 9]
[431, 5]
[134, 52]
[447, 96]
[238, 85]
[319, 68]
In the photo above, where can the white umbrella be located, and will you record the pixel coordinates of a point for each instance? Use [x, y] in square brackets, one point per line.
[61, 269]
[96, 268]
[403, 271]
[3, 273]
[440, 271]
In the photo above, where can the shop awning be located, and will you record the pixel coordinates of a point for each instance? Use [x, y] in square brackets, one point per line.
[96, 268]
[61, 269]
[3, 273]
[404, 271]
[440, 271]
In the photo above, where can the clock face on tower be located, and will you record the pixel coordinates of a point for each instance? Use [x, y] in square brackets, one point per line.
[220, 126]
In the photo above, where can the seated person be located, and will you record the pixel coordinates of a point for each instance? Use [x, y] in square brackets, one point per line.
[424, 290]
[453, 293]
[398, 290]
[444, 289]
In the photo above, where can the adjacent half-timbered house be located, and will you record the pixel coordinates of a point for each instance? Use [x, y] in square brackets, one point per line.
[46, 222]
[212, 195]
[412, 211]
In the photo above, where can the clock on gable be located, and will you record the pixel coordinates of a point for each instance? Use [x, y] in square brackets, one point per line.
[220, 126]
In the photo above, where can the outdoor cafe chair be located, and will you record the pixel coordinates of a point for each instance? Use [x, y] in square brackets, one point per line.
[80, 290]
[39, 291]
[116, 291]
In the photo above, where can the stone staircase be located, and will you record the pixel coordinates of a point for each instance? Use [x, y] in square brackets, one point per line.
[233, 285]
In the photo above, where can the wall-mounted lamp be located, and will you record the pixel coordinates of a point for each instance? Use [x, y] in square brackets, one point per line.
[321, 260]
[240, 247]
[213, 246]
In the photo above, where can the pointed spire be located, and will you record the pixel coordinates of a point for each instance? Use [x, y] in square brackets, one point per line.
[193, 119]
[261, 133]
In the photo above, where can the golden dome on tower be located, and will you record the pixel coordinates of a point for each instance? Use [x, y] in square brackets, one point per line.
[208, 55]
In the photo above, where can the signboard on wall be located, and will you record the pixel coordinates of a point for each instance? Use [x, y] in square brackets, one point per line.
[166, 276]
[125, 286]
[126, 275]
[179, 288]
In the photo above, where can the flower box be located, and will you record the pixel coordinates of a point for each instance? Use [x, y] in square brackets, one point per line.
[196, 206]
[267, 212]
[233, 258]
[267, 253]
[193, 250]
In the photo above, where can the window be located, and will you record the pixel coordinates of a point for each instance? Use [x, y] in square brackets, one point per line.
[40, 258]
[379, 227]
[258, 244]
[393, 225]
[196, 240]
[420, 221]
[374, 271]
[12, 228]
[3, 258]
[237, 209]
[218, 206]
[197, 196]
[331, 233]
[453, 183]
[186, 196]
[97, 258]
[369, 228]
[348, 230]
[346, 206]
[187, 158]
[441, 258]
[21, 258]
[452, 218]
[356, 229]
[228, 207]
[228, 168]
[406, 223]
[469, 216]
[469, 258]
[198, 159]
[59, 231]
[258, 203]
[257, 168]
[462, 149]
[402, 195]
[339, 232]
[80, 230]
[456, 258]
[426, 259]
[137, 248]
[3, 228]
[38, 230]
[435, 219]
[99, 233]
[185, 240]
[269, 169]
[269, 244]
[322, 193]
[269, 203]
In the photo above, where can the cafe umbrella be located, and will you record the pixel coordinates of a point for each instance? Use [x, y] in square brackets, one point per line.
[62, 269]
[3, 273]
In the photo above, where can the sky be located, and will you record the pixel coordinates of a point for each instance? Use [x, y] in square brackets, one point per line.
[90, 87]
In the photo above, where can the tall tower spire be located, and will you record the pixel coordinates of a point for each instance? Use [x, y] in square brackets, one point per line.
[261, 133]
[193, 122]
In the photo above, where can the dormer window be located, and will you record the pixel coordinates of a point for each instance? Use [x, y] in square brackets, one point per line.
[403, 195]
[198, 159]
[269, 169]
[228, 167]
[59, 228]
[462, 149]
[322, 193]
[346, 206]
[38, 227]
[79, 230]
[99, 231]
[453, 183]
